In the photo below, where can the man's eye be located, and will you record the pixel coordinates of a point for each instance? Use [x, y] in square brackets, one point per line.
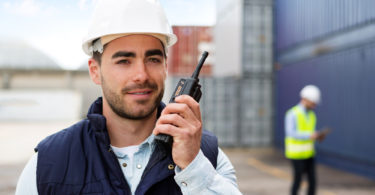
[123, 61]
[154, 60]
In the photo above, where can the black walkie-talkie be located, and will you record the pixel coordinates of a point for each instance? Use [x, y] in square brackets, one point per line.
[188, 86]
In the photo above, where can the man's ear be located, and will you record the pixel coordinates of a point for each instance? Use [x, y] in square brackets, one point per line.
[94, 70]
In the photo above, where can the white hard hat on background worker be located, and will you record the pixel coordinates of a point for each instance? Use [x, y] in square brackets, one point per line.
[117, 18]
[312, 93]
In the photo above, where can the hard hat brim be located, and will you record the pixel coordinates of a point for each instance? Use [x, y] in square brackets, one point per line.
[167, 39]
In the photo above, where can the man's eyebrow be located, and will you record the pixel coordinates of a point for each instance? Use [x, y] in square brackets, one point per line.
[123, 54]
[154, 52]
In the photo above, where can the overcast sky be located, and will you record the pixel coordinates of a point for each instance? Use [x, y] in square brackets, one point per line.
[56, 27]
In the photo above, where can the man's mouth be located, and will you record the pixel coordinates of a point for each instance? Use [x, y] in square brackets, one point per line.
[140, 92]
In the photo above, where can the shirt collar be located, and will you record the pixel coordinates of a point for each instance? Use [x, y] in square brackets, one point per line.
[302, 107]
[148, 144]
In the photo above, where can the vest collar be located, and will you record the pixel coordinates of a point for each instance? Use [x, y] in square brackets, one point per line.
[95, 116]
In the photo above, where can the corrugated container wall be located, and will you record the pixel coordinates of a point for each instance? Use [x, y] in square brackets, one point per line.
[330, 44]
[257, 38]
[183, 57]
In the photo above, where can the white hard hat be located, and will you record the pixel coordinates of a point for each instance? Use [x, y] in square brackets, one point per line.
[311, 92]
[116, 18]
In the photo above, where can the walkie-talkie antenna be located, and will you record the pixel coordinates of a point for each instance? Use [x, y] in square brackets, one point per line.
[199, 66]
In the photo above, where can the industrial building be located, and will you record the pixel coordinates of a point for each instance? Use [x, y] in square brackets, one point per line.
[35, 88]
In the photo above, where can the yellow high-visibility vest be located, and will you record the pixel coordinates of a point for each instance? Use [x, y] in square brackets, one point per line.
[296, 148]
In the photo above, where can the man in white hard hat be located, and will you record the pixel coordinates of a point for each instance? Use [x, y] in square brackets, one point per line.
[113, 151]
[300, 122]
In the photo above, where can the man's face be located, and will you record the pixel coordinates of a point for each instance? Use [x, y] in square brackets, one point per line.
[309, 104]
[132, 75]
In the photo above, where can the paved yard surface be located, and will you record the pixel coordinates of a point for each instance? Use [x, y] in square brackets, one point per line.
[264, 171]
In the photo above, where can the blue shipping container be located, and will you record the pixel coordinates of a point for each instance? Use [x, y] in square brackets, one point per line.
[346, 77]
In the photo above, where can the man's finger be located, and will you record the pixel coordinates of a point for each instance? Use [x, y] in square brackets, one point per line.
[189, 101]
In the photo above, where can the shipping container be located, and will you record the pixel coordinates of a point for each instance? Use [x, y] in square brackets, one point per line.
[228, 38]
[183, 57]
[255, 111]
[330, 44]
[302, 21]
[238, 110]
[257, 37]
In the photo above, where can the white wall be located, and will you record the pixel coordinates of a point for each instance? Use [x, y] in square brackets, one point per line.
[39, 105]
[228, 38]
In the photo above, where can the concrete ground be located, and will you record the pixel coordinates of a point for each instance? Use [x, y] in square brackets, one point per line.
[265, 171]
[260, 171]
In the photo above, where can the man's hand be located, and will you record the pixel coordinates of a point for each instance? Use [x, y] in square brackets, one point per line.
[314, 136]
[182, 120]
[320, 135]
[323, 133]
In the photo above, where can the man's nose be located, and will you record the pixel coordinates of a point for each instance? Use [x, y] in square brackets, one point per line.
[140, 73]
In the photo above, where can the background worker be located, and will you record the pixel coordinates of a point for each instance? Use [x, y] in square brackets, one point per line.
[113, 151]
[300, 123]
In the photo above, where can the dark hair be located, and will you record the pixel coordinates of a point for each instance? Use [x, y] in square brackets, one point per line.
[97, 56]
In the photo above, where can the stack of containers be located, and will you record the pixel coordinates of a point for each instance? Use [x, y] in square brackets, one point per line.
[256, 82]
[237, 105]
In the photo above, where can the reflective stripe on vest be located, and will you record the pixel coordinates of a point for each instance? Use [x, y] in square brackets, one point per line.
[297, 148]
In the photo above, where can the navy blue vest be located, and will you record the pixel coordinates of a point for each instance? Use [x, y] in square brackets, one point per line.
[79, 160]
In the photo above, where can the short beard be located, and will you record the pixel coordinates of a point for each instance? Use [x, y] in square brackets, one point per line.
[115, 101]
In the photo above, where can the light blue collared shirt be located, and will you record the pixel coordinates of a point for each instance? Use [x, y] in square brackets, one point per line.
[291, 125]
[199, 177]
[133, 167]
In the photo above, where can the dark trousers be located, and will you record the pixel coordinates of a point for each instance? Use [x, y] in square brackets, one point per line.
[299, 168]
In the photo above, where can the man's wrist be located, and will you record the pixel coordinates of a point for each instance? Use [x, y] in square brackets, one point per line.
[197, 175]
